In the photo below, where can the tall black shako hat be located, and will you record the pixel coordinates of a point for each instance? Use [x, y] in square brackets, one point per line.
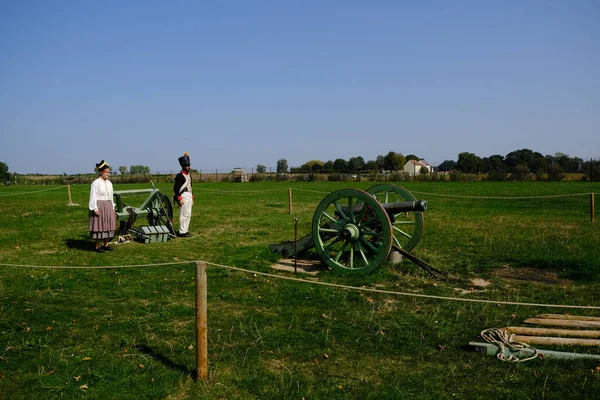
[101, 166]
[184, 160]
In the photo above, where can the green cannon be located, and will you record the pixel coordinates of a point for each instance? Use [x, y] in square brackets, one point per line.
[354, 231]
[156, 209]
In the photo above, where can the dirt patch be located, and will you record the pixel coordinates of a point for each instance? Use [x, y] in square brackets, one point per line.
[480, 282]
[532, 275]
[311, 267]
[42, 252]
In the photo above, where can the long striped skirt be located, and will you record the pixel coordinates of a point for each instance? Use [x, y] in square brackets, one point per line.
[103, 226]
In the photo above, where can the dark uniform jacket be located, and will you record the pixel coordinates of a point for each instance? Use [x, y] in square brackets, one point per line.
[179, 182]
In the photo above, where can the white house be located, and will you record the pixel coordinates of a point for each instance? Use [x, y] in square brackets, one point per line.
[413, 167]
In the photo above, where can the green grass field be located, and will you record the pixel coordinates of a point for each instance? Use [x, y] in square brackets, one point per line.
[124, 333]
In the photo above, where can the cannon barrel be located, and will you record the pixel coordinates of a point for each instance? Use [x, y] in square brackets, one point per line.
[405, 206]
[395, 208]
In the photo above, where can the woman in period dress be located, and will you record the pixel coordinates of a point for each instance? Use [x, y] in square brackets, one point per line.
[103, 219]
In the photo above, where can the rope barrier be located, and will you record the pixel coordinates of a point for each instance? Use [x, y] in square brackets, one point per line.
[35, 191]
[503, 198]
[364, 289]
[237, 191]
[98, 267]
[323, 192]
[310, 191]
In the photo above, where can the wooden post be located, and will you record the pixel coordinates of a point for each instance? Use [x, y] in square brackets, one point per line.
[201, 323]
[296, 244]
[70, 203]
[290, 199]
[592, 207]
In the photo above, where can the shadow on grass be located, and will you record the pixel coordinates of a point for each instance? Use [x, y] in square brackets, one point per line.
[165, 360]
[82, 243]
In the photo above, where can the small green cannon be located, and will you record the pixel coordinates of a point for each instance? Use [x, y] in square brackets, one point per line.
[156, 209]
[354, 231]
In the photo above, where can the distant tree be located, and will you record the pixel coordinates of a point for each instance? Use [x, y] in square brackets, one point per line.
[282, 166]
[139, 170]
[447, 165]
[312, 166]
[328, 166]
[522, 156]
[412, 157]
[356, 164]
[494, 167]
[520, 172]
[380, 160]
[567, 163]
[261, 169]
[493, 163]
[394, 161]
[3, 169]
[122, 170]
[424, 170]
[303, 168]
[340, 165]
[371, 165]
[468, 162]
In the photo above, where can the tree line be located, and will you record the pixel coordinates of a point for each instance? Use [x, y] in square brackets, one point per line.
[517, 163]
[392, 161]
[497, 167]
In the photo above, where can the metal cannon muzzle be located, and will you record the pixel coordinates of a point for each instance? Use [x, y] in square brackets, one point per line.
[405, 206]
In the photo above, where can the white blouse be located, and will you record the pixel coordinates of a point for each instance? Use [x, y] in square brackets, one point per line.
[101, 190]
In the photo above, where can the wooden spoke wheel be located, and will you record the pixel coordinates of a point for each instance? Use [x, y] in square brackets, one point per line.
[160, 211]
[407, 226]
[352, 232]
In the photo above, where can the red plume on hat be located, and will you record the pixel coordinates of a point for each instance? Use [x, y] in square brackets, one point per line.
[184, 160]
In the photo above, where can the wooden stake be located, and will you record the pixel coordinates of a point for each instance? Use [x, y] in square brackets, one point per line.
[592, 207]
[557, 332]
[563, 322]
[290, 199]
[70, 200]
[555, 341]
[201, 323]
[569, 317]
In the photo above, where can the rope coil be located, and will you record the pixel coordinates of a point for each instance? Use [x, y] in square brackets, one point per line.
[503, 339]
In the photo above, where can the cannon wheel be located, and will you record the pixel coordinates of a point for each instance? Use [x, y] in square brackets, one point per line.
[352, 232]
[408, 227]
[161, 211]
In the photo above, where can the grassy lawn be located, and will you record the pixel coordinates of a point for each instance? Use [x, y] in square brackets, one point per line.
[129, 332]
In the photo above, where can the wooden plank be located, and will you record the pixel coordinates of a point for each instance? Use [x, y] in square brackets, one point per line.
[562, 322]
[549, 331]
[491, 350]
[569, 317]
[555, 341]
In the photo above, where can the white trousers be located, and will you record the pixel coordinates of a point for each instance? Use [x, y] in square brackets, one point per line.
[185, 212]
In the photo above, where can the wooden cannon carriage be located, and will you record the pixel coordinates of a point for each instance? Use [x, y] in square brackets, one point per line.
[354, 231]
[155, 209]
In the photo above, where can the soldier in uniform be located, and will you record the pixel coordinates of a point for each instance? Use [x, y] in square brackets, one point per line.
[182, 195]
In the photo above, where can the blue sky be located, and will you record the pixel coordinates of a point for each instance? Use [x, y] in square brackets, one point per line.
[241, 83]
